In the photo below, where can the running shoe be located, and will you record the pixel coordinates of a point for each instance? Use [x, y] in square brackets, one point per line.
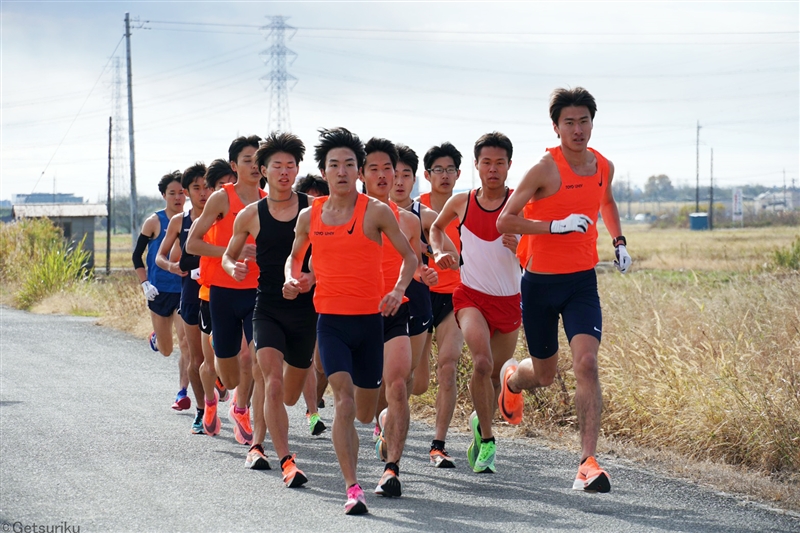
[211, 422]
[182, 401]
[381, 448]
[321, 404]
[197, 425]
[293, 477]
[441, 459]
[315, 424]
[356, 502]
[242, 430]
[223, 392]
[389, 485]
[591, 478]
[484, 464]
[376, 433]
[153, 345]
[475, 446]
[510, 403]
[256, 460]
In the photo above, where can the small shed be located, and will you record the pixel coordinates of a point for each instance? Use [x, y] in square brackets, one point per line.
[75, 220]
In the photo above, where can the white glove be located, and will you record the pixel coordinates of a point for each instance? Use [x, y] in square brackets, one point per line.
[571, 224]
[623, 261]
[150, 291]
[195, 273]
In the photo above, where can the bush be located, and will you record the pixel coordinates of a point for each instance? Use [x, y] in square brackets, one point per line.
[789, 258]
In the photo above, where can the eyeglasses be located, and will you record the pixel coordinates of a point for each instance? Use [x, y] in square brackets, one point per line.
[441, 170]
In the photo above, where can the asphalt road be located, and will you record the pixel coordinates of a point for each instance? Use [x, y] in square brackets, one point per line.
[88, 441]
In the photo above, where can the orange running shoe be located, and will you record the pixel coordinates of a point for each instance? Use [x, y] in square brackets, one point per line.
[211, 423]
[293, 477]
[389, 485]
[242, 430]
[256, 460]
[441, 459]
[592, 478]
[223, 392]
[510, 403]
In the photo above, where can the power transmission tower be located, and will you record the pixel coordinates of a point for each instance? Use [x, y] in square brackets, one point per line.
[277, 79]
[119, 172]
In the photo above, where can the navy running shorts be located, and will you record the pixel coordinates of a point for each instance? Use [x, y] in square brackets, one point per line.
[165, 304]
[352, 344]
[397, 325]
[231, 313]
[190, 302]
[545, 297]
[293, 332]
[441, 306]
[204, 317]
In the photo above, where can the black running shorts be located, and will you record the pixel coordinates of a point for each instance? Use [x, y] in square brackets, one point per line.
[352, 344]
[293, 332]
[165, 304]
[231, 314]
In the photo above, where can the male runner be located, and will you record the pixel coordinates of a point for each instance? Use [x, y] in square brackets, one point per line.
[346, 230]
[194, 187]
[231, 301]
[378, 176]
[442, 165]
[316, 382]
[487, 300]
[418, 293]
[162, 288]
[284, 331]
[570, 184]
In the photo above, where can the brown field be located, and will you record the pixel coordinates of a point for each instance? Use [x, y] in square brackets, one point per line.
[700, 360]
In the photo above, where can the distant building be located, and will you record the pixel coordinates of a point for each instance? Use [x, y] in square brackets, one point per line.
[775, 201]
[46, 198]
[75, 219]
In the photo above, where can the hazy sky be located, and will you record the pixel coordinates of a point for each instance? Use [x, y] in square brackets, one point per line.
[417, 73]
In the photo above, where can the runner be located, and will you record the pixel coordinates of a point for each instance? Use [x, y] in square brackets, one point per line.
[195, 188]
[284, 330]
[231, 302]
[316, 382]
[161, 288]
[570, 184]
[487, 300]
[392, 411]
[219, 173]
[418, 293]
[442, 165]
[346, 230]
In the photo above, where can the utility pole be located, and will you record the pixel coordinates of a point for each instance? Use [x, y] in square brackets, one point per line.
[108, 203]
[118, 173]
[277, 78]
[629, 195]
[711, 195]
[785, 205]
[134, 200]
[697, 188]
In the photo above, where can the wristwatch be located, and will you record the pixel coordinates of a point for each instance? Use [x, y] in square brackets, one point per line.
[620, 240]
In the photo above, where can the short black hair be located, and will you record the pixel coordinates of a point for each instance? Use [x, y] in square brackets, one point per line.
[280, 142]
[494, 139]
[446, 149]
[576, 97]
[239, 144]
[166, 179]
[407, 156]
[376, 144]
[198, 170]
[338, 138]
[217, 170]
[312, 182]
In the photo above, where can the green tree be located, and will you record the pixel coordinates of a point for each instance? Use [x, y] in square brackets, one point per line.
[659, 188]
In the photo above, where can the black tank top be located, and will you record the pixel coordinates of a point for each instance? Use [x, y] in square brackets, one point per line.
[273, 246]
[417, 210]
[189, 286]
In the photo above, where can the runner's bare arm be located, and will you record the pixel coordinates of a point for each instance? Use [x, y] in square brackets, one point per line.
[609, 209]
[232, 261]
[511, 219]
[294, 263]
[216, 206]
[387, 224]
[445, 252]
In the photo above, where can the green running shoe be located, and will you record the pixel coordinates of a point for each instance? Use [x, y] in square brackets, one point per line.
[485, 462]
[475, 445]
[315, 425]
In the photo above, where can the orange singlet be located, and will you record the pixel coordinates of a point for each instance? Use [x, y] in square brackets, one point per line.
[347, 263]
[392, 260]
[572, 252]
[221, 233]
[448, 279]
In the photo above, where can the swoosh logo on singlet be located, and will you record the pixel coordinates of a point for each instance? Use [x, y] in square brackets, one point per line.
[350, 231]
[601, 179]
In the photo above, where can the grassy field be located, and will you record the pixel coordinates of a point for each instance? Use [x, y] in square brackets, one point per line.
[700, 360]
